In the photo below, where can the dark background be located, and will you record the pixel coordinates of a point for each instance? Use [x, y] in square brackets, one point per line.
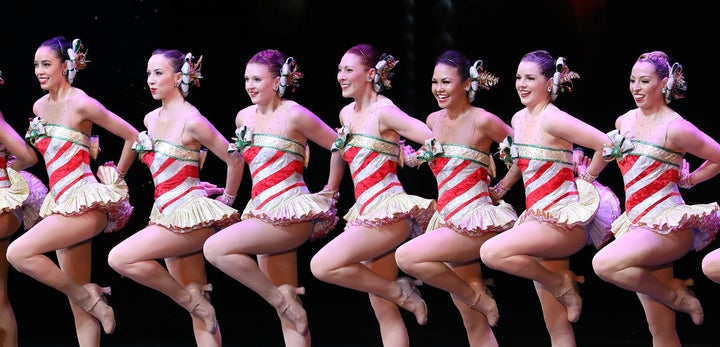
[599, 39]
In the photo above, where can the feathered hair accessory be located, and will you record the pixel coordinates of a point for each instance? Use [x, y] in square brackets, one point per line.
[77, 59]
[562, 78]
[480, 79]
[676, 85]
[289, 76]
[383, 73]
[190, 73]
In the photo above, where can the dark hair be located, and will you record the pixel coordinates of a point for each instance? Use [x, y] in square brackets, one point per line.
[457, 59]
[369, 54]
[176, 58]
[544, 59]
[60, 45]
[660, 60]
[272, 58]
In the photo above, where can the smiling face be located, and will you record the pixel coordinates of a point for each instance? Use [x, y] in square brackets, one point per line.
[49, 68]
[353, 76]
[260, 83]
[531, 84]
[448, 86]
[645, 85]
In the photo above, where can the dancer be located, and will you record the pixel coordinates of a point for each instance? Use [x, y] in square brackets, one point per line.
[77, 207]
[657, 227]
[183, 216]
[21, 195]
[272, 136]
[447, 255]
[558, 206]
[362, 257]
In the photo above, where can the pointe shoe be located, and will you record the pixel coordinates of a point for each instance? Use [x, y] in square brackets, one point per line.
[685, 300]
[292, 307]
[201, 307]
[569, 294]
[412, 294]
[99, 307]
[485, 303]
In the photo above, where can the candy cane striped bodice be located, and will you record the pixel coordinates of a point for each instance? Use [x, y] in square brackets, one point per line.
[650, 174]
[175, 172]
[4, 179]
[548, 176]
[373, 166]
[276, 167]
[462, 175]
[67, 160]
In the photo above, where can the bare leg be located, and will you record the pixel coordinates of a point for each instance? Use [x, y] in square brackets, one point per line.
[9, 224]
[281, 268]
[231, 250]
[433, 257]
[660, 317]
[63, 234]
[476, 324]
[387, 313]
[76, 262]
[711, 265]
[189, 269]
[341, 262]
[517, 251]
[554, 312]
[628, 263]
[136, 258]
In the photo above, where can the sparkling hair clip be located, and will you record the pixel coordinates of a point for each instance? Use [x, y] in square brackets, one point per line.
[675, 85]
[383, 73]
[480, 79]
[77, 55]
[289, 76]
[562, 78]
[190, 73]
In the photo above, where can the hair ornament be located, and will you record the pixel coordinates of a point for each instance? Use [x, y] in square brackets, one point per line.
[2, 81]
[480, 79]
[77, 55]
[562, 78]
[383, 73]
[675, 84]
[190, 73]
[289, 76]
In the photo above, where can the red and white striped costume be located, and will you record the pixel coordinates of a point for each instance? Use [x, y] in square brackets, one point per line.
[74, 190]
[279, 193]
[379, 196]
[181, 203]
[21, 193]
[652, 200]
[464, 203]
[553, 194]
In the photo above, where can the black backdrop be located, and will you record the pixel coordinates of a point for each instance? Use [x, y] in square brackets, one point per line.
[600, 40]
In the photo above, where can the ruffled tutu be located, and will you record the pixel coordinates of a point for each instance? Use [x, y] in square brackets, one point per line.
[400, 206]
[702, 219]
[475, 222]
[194, 214]
[580, 212]
[318, 208]
[110, 196]
[599, 231]
[12, 197]
[33, 203]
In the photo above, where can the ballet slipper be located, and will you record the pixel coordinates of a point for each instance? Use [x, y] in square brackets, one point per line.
[292, 309]
[485, 303]
[412, 294]
[99, 307]
[200, 307]
[685, 300]
[569, 294]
